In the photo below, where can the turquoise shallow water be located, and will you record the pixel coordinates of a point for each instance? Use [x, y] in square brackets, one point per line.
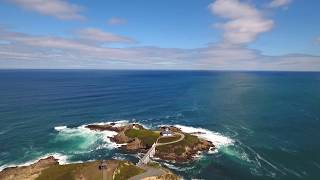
[266, 124]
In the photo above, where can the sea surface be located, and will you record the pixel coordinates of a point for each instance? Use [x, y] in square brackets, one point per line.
[266, 125]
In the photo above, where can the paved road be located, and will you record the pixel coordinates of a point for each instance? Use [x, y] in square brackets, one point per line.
[149, 172]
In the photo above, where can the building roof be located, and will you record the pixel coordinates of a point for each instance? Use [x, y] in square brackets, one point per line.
[166, 131]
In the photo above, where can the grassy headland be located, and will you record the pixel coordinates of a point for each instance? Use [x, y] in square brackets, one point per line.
[148, 137]
[126, 170]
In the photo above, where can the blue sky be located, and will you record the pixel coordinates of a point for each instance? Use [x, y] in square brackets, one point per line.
[168, 34]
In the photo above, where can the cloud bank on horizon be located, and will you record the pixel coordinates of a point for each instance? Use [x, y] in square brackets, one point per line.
[239, 24]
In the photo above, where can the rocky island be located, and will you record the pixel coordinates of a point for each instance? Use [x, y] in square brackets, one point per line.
[171, 142]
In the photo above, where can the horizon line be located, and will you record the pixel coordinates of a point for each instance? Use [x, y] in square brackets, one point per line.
[116, 69]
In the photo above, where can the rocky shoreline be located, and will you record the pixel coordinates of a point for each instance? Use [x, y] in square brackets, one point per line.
[134, 138]
[28, 172]
[183, 151]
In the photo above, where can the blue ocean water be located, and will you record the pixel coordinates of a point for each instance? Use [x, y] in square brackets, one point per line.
[266, 124]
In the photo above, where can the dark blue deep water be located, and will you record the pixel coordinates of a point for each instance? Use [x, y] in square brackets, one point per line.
[267, 124]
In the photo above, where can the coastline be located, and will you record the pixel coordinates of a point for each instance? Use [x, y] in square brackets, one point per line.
[49, 167]
[108, 137]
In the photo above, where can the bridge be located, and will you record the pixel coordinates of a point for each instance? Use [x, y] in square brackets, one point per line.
[146, 158]
[152, 151]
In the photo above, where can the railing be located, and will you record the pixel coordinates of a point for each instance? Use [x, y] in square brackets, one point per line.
[146, 158]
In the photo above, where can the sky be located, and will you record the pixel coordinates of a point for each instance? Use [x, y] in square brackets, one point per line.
[279, 35]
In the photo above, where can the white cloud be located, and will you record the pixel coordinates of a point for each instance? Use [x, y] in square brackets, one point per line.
[30, 51]
[60, 9]
[244, 22]
[101, 36]
[116, 21]
[279, 3]
[51, 44]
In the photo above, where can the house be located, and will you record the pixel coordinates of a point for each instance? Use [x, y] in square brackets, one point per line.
[135, 127]
[166, 132]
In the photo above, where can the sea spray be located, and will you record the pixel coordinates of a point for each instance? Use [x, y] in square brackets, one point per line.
[84, 139]
[62, 159]
[216, 138]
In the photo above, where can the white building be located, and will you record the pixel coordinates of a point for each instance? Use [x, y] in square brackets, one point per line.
[166, 132]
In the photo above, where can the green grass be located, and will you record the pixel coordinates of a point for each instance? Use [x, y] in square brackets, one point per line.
[147, 137]
[69, 171]
[189, 140]
[126, 170]
[179, 147]
[169, 139]
[58, 172]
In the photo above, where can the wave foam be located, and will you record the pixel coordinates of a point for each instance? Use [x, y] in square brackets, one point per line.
[59, 128]
[86, 137]
[62, 159]
[117, 123]
[178, 168]
[216, 138]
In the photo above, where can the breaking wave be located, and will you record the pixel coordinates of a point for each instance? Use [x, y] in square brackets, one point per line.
[84, 139]
[71, 142]
[216, 138]
[62, 159]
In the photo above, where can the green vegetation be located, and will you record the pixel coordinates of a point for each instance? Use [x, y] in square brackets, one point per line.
[169, 139]
[147, 137]
[126, 170]
[70, 171]
[179, 150]
[179, 147]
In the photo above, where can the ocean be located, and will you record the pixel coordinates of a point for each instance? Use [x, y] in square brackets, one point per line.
[266, 125]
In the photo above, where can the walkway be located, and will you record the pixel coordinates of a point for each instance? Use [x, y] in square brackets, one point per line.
[146, 158]
[149, 172]
[172, 142]
[151, 152]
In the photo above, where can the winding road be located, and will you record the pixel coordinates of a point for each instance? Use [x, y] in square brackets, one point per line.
[172, 142]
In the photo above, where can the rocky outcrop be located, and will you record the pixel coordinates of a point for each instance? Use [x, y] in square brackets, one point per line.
[184, 153]
[120, 138]
[135, 144]
[28, 172]
[106, 127]
[112, 127]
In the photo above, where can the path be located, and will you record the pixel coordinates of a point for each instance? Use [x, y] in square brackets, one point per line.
[108, 173]
[149, 172]
[151, 152]
[172, 142]
[146, 158]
